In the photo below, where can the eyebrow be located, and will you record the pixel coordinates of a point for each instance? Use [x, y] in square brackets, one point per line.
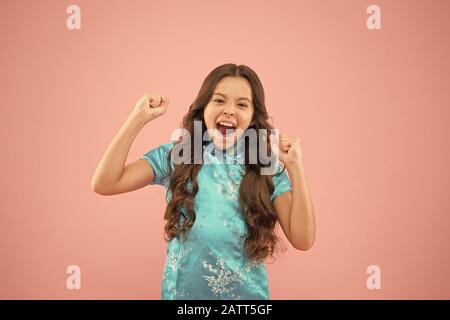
[243, 98]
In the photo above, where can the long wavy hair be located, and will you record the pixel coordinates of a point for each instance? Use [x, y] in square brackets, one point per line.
[255, 189]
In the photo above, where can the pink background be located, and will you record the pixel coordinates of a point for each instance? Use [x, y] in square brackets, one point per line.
[371, 108]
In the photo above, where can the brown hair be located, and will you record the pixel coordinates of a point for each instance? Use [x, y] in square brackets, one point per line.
[255, 190]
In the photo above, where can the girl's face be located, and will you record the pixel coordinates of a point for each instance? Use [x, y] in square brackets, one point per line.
[230, 111]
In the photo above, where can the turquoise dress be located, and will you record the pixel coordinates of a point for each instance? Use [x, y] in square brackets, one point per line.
[211, 264]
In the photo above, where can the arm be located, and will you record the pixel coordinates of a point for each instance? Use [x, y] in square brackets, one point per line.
[295, 209]
[111, 175]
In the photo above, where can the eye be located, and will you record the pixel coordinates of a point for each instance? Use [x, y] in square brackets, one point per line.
[218, 100]
[243, 105]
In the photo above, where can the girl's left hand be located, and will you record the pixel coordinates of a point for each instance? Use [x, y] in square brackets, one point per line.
[290, 152]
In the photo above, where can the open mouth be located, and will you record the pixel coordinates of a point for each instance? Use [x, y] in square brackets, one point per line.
[225, 128]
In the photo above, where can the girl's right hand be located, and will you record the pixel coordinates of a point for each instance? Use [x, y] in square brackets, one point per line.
[150, 107]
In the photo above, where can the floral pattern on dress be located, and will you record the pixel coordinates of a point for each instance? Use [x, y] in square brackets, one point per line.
[176, 254]
[224, 280]
[228, 184]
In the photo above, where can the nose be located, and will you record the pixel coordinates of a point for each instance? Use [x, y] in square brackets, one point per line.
[228, 110]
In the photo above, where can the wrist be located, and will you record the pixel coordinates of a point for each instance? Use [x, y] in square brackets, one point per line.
[136, 121]
[294, 166]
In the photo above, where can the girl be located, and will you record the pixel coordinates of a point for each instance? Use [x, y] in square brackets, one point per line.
[220, 214]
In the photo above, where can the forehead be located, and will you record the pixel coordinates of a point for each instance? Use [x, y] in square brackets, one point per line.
[234, 87]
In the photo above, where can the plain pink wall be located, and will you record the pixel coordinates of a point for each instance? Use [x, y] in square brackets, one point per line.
[371, 108]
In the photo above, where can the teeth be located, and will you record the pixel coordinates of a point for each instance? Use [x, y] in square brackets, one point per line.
[227, 124]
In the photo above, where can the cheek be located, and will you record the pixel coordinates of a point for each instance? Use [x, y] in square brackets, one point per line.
[210, 116]
[245, 119]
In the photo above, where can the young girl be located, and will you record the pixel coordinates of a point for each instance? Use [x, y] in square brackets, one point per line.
[221, 212]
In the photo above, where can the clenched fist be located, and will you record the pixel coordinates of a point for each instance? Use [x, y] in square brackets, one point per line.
[290, 152]
[150, 106]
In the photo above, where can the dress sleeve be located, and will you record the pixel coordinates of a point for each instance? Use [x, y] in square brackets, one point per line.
[158, 159]
[281, 182]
